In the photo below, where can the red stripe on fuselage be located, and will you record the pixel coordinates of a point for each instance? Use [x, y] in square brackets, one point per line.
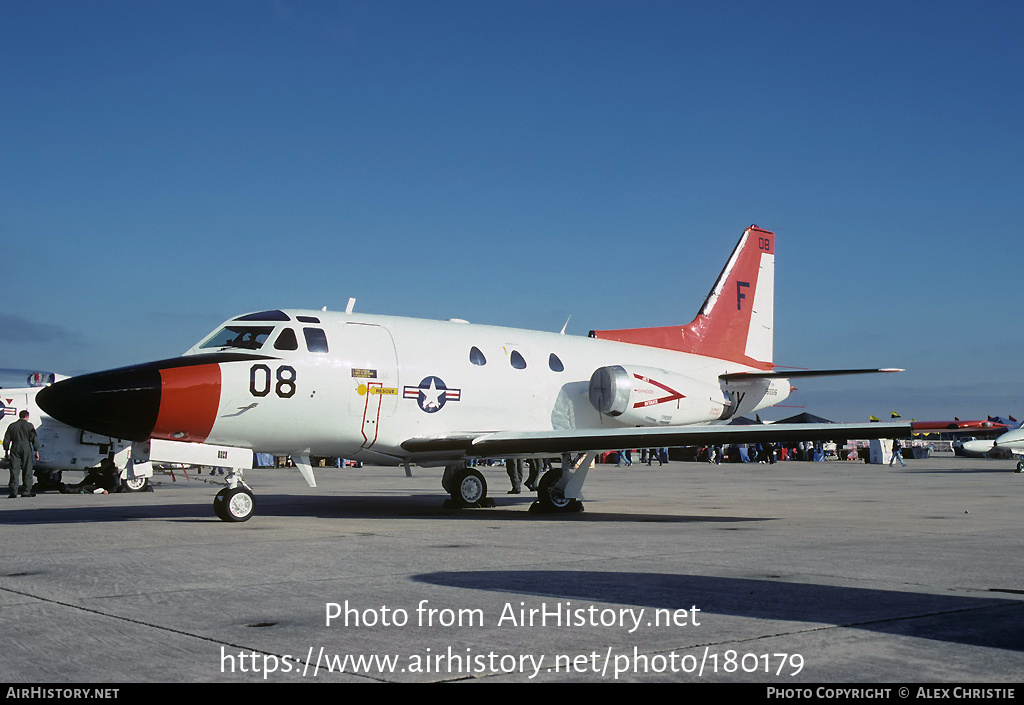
[189, 399]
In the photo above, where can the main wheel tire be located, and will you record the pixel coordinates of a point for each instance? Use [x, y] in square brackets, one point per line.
[551, 498]
[234, 504]
[469, 488]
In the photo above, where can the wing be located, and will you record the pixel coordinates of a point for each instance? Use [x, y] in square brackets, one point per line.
[501, 443]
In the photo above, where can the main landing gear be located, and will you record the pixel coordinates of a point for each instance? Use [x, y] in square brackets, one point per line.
[559, 489]
[550, 498]
[466, 486]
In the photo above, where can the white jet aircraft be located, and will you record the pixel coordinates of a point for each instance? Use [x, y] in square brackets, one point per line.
[1011, 442]
[390, 390]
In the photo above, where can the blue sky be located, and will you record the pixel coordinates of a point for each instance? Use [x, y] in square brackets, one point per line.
[169, 165]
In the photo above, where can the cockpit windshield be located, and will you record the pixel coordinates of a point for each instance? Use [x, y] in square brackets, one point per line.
[238, 336]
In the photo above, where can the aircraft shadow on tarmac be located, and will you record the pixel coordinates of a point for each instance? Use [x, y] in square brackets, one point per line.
[405, 506]
[384, 507]
[956, 471]
[84, 514]
[989, 622]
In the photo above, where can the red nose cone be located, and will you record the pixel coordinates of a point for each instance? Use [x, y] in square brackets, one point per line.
[188, 403]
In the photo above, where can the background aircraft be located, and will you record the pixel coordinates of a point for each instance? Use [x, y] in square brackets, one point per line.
[391, 390]
[63, 447]
[963, 433]
[1013, 443]
[963, 426]
[1005, 445]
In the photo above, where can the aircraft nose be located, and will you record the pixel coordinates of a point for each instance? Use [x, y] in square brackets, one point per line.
[1010, 438]
[174, 399]
[121, 403]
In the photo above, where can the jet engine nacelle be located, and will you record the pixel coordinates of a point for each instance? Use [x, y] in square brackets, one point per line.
[751, 395]
[645, 396]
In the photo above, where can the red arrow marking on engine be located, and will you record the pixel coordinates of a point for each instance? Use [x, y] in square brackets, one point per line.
[673, 394]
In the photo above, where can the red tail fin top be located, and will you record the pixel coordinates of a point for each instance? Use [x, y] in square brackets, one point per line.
[736, 321]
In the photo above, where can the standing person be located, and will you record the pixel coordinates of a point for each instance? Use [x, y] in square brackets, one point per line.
[531, 480]
[19, 443]
[514, 468]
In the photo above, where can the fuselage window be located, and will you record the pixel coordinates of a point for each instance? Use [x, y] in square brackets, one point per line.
[517, 360]
[316, 340]
[286, 341]
[477, 357]
[555, 364]
[245, 337]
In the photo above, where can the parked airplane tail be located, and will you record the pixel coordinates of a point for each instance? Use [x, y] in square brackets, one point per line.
[736, 321]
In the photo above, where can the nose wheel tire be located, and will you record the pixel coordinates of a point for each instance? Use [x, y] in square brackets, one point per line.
[135, 484]
[236, 504]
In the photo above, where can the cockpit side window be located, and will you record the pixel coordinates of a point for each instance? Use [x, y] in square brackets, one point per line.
[286, 341]
[316, 340]
[245, 337]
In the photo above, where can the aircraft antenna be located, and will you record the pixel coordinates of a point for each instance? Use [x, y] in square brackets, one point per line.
[566, 324]
[351, 305]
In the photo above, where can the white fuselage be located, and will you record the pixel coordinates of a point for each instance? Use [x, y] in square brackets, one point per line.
[384, 380]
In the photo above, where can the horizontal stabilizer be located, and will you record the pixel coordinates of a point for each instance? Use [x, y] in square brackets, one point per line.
[794, 374]
[502, 443]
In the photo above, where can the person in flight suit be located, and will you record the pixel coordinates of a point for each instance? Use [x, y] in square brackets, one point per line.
[106, 479]
[514, 468]
[20, 442]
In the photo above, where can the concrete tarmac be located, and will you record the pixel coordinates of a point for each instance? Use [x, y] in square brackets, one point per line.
[793, 573]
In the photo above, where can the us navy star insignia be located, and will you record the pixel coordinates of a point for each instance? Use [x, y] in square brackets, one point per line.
[431, 394]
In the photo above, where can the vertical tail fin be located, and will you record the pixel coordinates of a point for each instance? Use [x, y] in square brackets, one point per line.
[736, 321]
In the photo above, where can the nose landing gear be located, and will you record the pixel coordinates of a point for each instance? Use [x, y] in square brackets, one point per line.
[236, 501]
